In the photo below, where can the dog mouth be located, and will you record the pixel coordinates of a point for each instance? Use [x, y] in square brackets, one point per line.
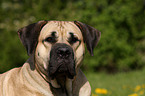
[62, 69]
[62, 63]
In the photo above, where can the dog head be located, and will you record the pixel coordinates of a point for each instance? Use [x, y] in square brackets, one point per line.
[58, 46]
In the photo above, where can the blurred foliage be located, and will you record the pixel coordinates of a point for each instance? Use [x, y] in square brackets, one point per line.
[122, 23]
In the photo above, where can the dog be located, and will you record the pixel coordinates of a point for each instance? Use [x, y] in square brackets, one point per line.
[56, 50]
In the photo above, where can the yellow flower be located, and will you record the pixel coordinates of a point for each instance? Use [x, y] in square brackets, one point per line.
[101, 91]
[143, 86]
[137, 88]
[141, 92]
[134, 94]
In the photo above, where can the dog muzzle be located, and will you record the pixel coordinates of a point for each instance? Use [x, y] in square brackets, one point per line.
[62, 62]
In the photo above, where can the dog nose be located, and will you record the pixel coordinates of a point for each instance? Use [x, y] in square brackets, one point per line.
[63, 52]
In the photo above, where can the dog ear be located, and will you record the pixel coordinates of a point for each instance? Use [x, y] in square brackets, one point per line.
[91, 35]
[29, 35]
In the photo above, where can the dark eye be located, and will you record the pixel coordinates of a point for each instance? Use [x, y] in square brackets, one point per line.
[73, 40]
[50, 39]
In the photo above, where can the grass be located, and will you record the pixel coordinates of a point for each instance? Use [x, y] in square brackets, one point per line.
[120, 84]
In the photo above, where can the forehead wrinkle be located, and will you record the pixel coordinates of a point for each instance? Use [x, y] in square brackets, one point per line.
[47, 29]
[71, 27]
[61, 27]
[62, 31]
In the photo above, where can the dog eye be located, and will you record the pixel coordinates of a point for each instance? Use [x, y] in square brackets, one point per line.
[73, 40]
[50, 39]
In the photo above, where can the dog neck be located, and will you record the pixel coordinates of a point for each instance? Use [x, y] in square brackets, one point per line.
[65, 90]
[58, 85]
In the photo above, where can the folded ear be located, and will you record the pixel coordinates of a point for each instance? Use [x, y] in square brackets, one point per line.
[91, 35]
[29, 35]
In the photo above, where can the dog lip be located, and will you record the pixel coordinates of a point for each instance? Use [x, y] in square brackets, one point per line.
[53, 70]
[62, 70]
[61, 61]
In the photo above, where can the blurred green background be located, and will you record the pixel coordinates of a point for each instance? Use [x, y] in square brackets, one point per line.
[121, 22]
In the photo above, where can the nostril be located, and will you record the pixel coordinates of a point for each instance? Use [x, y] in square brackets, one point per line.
[63, 52]
[67, 52]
